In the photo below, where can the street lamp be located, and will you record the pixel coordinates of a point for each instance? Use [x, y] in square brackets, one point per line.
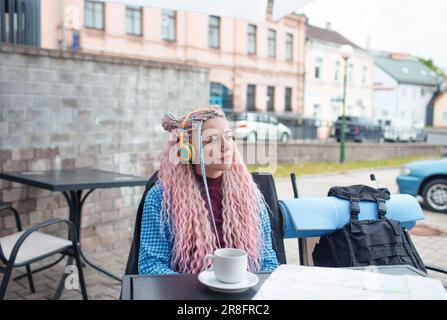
[346, 52]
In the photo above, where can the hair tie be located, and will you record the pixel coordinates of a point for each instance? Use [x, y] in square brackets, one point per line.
[170, 122]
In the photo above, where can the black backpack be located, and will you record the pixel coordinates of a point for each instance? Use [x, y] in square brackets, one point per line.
[369, 242]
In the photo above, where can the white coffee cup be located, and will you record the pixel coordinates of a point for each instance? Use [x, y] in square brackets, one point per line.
[229, 265]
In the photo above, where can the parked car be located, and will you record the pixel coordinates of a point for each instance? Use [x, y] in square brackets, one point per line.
[427, 179]
[252, 127]
[358, 129]
[404, 134]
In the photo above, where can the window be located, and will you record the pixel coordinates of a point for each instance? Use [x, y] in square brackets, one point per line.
[351, 73]
[337, 71]
[168, 26]
[94, 14]
[422, 92]
[364, 75]
[272, 43]
[318, 67]
[221, 95]
[251, 97]
[251, 39]
[317, 111]
[270, 98]
[335, 111]
[288, 99]
[444, 116]
[289, 46]
[213, 32]
[133, 21]
[362, 108]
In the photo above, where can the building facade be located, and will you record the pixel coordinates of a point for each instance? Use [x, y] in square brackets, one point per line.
[404, 90]
[440, 111]
[253, 66]
[324, 77]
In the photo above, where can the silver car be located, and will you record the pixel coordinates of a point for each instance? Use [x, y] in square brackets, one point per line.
[252, 127]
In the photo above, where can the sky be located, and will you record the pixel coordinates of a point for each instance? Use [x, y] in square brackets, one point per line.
[410, 26]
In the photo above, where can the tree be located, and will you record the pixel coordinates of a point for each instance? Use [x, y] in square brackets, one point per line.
[430, 64]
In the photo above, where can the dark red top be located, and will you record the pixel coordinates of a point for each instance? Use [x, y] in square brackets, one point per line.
[216, 202]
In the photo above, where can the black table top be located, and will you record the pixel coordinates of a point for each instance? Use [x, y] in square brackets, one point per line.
[76, 179]
[188, 287]
[179, 287]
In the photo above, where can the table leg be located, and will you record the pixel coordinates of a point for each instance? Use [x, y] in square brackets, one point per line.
[61, 285]
[75, 202]
[302, 250]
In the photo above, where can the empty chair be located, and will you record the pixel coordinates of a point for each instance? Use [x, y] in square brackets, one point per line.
[25, 247]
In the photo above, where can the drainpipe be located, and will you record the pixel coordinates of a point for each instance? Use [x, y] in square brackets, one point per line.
[304, 70]
[64, 41]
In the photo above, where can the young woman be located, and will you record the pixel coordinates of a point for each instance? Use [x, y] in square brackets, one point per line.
[205, 199]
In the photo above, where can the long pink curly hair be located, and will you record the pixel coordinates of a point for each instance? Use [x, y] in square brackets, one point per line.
[184, 207]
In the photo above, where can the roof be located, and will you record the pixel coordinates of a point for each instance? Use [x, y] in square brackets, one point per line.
[408, 71]
[328, 35]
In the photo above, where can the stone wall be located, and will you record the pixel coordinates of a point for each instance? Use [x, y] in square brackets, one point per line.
[294, 152]
[299, 152]
[64, 111]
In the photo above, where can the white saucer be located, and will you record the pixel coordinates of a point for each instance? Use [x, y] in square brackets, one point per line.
[208, 278]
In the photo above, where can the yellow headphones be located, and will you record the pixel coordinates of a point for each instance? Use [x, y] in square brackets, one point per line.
[186, 150]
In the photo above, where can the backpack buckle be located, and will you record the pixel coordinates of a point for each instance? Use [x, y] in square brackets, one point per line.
[355, 206]
[381, 207]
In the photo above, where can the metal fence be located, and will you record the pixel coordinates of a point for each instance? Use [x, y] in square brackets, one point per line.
[302, 129]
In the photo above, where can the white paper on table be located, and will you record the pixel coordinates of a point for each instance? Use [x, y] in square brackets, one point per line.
[291, 282]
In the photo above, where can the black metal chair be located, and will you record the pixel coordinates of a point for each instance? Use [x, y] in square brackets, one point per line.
[266, 185]
[23, 248]
[29, 274]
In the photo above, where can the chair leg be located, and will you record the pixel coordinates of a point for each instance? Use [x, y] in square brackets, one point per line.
[61, 285]
[6, 277]
[30, 278]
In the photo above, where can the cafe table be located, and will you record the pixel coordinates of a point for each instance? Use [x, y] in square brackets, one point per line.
[76, 185]
[188, 287]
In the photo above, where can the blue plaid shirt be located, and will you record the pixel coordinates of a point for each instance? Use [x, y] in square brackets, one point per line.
[156, 240]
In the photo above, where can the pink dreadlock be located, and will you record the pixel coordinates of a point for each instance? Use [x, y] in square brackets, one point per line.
[184, 206]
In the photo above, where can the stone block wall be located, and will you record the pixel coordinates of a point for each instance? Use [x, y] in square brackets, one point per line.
[65, 111]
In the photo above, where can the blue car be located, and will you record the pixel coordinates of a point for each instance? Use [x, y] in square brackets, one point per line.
[427, 179]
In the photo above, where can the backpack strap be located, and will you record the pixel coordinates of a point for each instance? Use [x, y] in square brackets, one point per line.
[355, 208]
[381, 208]
[355, 211]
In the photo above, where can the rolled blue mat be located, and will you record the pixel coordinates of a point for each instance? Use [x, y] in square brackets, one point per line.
[316, 217]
